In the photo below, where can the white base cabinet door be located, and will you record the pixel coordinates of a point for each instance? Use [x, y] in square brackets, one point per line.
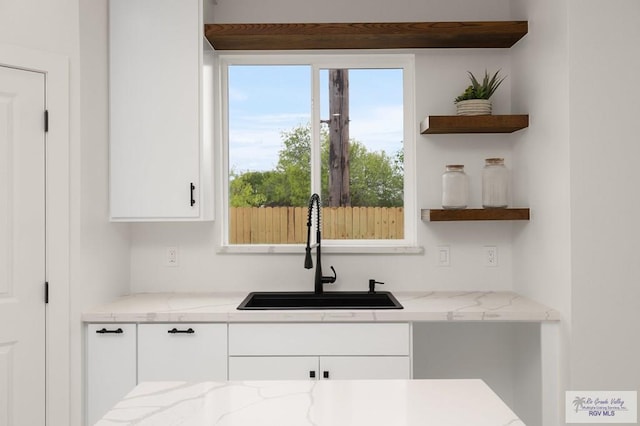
[190, 352]
[111, 366]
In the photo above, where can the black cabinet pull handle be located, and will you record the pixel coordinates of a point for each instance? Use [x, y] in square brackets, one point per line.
[312, 374]
[105, 331]
[176, 331]
[325, 374]
[192, 188]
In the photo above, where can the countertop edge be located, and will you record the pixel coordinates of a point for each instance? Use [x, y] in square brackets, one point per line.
[418, 307]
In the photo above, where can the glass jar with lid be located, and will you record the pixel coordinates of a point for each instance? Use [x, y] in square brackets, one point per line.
[455, 187]
[495, 183]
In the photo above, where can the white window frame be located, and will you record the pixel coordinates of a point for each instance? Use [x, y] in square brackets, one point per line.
[350, 60]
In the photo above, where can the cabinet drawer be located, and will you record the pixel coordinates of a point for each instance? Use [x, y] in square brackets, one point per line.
[319, 339]
[182, 352]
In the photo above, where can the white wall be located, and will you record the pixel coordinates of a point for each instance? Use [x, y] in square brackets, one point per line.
[542, 249]
[578, 170]
[440, 76]
[540, 86]
[100, 255]
[605, 294]
[504, 355]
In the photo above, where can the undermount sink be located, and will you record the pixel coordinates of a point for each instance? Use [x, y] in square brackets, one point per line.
[326, 300]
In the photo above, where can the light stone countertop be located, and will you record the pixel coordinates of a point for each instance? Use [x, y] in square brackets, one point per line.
[317, 403]
[418, 306]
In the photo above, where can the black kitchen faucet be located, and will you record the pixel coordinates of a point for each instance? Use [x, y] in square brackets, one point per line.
[308, 262]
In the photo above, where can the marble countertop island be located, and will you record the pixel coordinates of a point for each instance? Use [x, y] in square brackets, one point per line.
[418, 306]
[317, 403]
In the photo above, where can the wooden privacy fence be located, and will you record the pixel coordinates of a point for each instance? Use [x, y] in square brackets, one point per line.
[288, 225]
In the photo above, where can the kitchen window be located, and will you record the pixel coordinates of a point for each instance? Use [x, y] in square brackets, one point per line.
[337, 125]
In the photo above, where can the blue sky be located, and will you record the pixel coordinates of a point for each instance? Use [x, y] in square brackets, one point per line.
[266, 100]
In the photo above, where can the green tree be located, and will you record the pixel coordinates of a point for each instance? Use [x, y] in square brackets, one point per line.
[247, 188]
[376, 178]
[294, 168]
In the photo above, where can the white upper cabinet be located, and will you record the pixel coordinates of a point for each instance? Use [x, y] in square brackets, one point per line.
[161, 96]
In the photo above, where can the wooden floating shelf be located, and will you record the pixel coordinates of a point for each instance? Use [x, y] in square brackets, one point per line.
[380, 35]
[442, 215]
[447, 124]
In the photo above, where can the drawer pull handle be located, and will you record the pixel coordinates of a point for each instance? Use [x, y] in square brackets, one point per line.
[105, 331]
[325, 374]
[176, 331]
[312, 374]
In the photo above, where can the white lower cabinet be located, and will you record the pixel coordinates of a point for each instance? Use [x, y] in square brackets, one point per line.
[192, 352]
[319, 351]
[111, 366]
[119, 356]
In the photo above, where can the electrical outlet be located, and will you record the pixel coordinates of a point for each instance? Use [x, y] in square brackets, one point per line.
[171, 256]
[490, 256]
[444, 256]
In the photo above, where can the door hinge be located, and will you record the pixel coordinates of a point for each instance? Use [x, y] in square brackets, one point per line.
[46, 292]
[46, 120]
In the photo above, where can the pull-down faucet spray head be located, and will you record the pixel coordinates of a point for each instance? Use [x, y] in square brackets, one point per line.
[308, 262]
[315, 198]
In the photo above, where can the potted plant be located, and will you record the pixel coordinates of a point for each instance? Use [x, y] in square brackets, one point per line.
[475, 99]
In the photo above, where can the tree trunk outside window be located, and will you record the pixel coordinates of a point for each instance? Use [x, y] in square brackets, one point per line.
[339, 194]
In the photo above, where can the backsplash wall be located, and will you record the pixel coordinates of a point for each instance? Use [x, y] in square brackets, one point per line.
[440, 75]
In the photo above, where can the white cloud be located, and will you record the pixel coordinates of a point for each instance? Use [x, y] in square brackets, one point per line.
[379, 128]
[236, 95]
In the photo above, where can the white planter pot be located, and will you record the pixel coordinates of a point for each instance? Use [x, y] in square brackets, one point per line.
[474, 107]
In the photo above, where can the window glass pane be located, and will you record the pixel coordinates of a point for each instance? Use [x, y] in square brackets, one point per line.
[362, 153]
[269, 152]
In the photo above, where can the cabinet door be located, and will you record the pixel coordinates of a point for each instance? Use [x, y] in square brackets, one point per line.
[111, 366]
[365, 367]
[155, 104]
[273, 368]
[192, 352]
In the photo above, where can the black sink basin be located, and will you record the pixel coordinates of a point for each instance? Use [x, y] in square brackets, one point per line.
[326, 300]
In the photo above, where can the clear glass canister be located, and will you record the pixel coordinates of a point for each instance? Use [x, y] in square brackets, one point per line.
[455, 187]
[495, 183]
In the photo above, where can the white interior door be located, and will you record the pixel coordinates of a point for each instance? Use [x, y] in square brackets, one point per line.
[22, 248]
